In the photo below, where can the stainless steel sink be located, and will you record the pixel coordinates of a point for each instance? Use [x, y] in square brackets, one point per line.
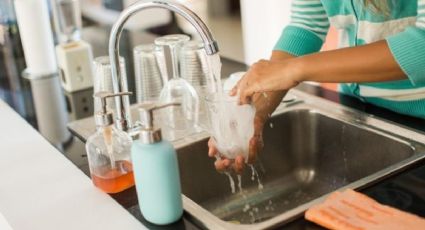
[312, 147]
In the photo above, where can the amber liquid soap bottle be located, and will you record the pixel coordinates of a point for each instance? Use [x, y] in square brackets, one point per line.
[109, 150]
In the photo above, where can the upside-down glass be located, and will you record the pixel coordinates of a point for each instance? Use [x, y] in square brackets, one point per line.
[230, 125]
[181, 119]
[195, 69]
[69, 20]
[147, 73]
[102, 80]
[193, 63]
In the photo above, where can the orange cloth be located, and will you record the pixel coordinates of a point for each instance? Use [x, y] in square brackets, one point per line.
[350, 210]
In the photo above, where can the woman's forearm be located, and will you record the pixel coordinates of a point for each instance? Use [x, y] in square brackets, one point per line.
[267, 102]
[368, 63]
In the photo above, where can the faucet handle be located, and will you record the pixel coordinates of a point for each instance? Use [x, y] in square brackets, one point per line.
[103, 95]
[106, 94]
[105, 117]
[146, 112]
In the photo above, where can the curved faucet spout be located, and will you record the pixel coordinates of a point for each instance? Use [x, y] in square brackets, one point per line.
[123, 103]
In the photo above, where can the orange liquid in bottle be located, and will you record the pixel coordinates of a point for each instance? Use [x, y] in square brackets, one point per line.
[115, 180]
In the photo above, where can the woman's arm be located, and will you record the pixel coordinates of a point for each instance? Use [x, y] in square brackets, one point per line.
[369, 63]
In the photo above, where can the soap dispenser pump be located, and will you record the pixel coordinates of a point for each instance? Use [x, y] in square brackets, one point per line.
[156, 171]
[109, 150]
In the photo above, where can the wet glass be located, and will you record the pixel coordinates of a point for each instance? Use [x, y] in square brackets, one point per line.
[230, 125]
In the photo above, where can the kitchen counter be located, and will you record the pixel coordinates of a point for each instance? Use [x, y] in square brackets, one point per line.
[404, 190]
[41, 189]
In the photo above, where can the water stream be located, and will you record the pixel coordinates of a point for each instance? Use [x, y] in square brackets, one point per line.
[232, 182]
[215, 86]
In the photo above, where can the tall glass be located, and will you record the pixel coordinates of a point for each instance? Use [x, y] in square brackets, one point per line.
[69, 20]
[148, 76]
[182, 119]
[230, 125]
[194, 68]
[193, 63]
[103, 79]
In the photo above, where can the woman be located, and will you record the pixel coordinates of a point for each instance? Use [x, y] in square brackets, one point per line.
[381, 59]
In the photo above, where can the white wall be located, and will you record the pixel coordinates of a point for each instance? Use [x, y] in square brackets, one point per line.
[262, 24]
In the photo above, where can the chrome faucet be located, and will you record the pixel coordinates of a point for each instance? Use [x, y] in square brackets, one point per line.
[123, 120]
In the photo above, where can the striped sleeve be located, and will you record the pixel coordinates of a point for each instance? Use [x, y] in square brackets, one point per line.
[307, 30]
[408, 48]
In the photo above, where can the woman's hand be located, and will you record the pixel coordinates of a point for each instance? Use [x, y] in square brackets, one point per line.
[266, 76]
[265, 104]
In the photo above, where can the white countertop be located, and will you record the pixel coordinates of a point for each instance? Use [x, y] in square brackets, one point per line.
[41, 189]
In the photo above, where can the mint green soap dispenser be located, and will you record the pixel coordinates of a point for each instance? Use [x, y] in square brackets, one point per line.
[156, 172]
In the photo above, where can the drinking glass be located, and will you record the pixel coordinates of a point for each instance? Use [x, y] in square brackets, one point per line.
[69, 20]
[230, 125]
[180, 119]
[193, 63]
[103, 80]
[195, 69]
[148, 76]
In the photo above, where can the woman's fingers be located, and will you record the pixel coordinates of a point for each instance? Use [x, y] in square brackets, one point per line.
[212, 150]
[234, 91]
[248, 86]
[219, 165]
[222, 165]
[239, 164]
[253, 150]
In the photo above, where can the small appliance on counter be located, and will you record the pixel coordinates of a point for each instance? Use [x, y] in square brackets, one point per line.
[74, 55]
[108, 151]
[75, 63]
[156, 171]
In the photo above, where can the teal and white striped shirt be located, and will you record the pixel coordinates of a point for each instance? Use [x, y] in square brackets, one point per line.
[403, 29]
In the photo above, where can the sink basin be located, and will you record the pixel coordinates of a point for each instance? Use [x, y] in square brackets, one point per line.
[312, 147]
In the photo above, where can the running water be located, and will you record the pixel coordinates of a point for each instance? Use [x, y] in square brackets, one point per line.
[232, 183]
[214, 83]
[254, 172]
[215, 86]
[240, 183]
